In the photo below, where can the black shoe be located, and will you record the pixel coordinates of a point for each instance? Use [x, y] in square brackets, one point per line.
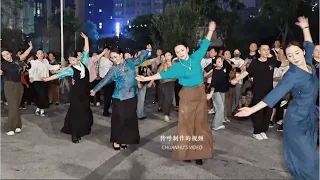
[79, 138]
[280, 128]
[199, 162]
[142, 118]
[160, 110]
[270, 124]
[74, 139]
[187, 161]
[57, 104]
[116, 148]
[123, 146]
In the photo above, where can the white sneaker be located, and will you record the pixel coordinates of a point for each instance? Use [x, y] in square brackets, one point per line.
[280, 122]
[264, 135]
[211, 111]
[257, 136]
[18, 130]
[98, 104]
[220, 127]
[10, 133]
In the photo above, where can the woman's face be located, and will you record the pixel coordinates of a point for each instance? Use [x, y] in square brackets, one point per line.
[40, 54]
[73, 61]
[51, 57]
[116, 58]
[295, 55]
[6, 55]
[182, 52]
[253, 47]
[219, 62]
[162, 58]
[227, 55]
[168, 56]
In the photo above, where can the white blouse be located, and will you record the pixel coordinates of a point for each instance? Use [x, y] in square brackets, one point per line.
[40, 69]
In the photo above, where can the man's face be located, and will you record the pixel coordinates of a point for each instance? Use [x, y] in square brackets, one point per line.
[159, 52]
[253, 47]
[236, 53]
[277, 44]
[212, 53]
[264, 51]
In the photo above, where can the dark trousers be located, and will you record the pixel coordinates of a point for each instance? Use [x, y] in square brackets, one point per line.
[13, 92]
[24, 96]
[166, 97]
[107, 97]
[3, 97]
[261, 119]
[96, 98]
[156, 95]
[41, 90]
[177, 88]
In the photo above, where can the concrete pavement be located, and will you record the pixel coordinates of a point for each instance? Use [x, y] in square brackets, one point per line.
[41, 151]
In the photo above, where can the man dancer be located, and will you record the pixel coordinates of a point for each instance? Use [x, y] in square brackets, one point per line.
[262, 72]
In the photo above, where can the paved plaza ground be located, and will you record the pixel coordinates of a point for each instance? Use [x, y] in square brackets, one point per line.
[41, 151]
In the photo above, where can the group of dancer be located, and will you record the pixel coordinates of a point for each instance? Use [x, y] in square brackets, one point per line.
[300, 123]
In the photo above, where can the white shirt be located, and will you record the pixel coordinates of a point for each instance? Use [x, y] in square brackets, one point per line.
[104, 66]
[279, 72]
[41, 69]
[238, 62]
[204, 63]
[82, 70]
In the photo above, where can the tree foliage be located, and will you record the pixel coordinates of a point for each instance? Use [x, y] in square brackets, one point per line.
[91, 30]
[177, 24]
[140, 29]
[71, 25]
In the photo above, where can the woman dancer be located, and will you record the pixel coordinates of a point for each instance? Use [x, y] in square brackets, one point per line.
[219, 86]
[193, 114]
[79, 119]
[13, 89]
[40, 69]
[300, 124]
[166, 88]
[54, 86]
[124, 120]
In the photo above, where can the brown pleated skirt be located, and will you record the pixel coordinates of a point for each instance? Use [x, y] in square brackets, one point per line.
[194, 133]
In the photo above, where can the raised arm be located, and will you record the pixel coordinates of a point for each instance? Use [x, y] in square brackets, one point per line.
[106, 80]
[303, 23]
[27, 52]
[205, 43]
[145, 54]
[51, 67]
[99, 56]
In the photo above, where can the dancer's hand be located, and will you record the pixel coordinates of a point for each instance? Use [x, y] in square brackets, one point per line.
[244, 112]
[212, 26]
[302, 22]
[209, 96]
[31, 80]
[30, 44]
[1, 72]
[83, 36]
[45, 79]
[234, 81]
[142, 78]
[92, 93]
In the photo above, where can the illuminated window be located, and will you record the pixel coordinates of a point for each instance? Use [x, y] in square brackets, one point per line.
[100, 25]
[118, 29]
[100, 10]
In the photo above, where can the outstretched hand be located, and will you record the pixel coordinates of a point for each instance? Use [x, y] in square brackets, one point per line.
[244, 112]
[92, 93]
[141, 78]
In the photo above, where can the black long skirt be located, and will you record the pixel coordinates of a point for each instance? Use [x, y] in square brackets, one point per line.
[79, 118]
[124, 122]
[41, 92]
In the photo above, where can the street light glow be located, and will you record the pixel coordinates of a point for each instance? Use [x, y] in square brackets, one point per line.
[118, 29]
